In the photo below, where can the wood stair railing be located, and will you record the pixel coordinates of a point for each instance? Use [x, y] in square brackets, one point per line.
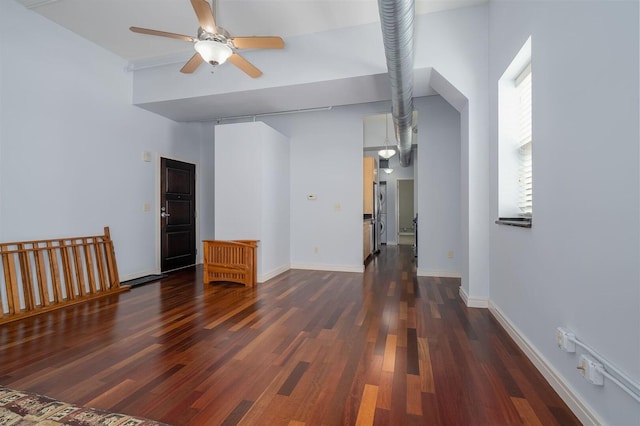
[40, 276]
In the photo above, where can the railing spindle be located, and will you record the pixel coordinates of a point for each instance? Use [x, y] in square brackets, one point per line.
[76, 269]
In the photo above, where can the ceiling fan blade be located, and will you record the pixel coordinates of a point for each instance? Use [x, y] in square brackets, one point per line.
[161, 33]
[245, 65]
[192, 64]
[258, 42]
[205, 15]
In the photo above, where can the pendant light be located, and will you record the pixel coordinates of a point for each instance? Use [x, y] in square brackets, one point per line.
[386, 153]
[384, 166]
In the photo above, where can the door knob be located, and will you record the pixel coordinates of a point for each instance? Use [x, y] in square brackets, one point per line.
[163, 214]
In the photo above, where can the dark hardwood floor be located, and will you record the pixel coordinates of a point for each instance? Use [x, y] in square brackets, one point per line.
[307, 347]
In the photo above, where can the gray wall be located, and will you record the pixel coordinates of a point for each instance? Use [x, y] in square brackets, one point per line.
[252, 191]
[326, 160]
[578, 265]
[71, 145]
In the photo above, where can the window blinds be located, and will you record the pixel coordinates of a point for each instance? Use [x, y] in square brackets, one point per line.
[525, 170]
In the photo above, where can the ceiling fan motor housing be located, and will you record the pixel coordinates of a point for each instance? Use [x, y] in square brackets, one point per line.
[222, 36]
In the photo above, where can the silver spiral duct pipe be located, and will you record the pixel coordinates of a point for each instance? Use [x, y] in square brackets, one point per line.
[396, 17]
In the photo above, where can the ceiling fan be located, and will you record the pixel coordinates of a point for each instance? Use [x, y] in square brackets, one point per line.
[214, 44]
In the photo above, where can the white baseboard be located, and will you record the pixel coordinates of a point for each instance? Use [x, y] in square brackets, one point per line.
[438, 273]
[334, 268]
[473, 302]
[139, 275]
[584, 413]
[266, 277]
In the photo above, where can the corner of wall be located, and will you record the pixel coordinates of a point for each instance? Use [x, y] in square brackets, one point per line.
[272, 274]
[473, 302]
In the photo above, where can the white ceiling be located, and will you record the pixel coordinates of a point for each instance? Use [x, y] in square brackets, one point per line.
[106, 23]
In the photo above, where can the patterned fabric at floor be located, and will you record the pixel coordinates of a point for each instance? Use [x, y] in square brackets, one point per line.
[23, 408]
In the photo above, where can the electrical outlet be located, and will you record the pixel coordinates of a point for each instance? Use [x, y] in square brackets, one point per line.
[450, 254]
[591, 370]
[315, 249]
[565, 340]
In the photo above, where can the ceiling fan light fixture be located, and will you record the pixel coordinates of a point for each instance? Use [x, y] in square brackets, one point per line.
[213, 52]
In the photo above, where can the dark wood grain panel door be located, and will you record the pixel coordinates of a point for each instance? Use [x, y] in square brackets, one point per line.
[178, 214]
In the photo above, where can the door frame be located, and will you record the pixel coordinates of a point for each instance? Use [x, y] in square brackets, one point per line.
[158, 205]
[398, 205]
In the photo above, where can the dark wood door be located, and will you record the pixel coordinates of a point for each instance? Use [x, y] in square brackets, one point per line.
[178, 214]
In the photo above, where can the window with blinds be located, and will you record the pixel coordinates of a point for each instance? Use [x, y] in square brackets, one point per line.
[525, 141]
[515, 142]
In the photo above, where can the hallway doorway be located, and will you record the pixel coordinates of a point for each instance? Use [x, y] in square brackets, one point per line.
[405, 212]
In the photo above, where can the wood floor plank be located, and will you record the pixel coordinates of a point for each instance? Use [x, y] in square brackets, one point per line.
[413, 363]
[389, 360]
[426, 372]
[315, 402]
[433, 308]
[527, 414]
[392, 289]
[113, 395]
[430, 414]
[411, 317]
[367, 409]
[414, 396]
[403, 311]
[228, 315]
[308, 347]
[385, 390]
[341, 409]
[238, 413]
[293, 379]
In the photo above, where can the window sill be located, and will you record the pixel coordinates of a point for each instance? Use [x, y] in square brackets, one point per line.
[520, 222]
